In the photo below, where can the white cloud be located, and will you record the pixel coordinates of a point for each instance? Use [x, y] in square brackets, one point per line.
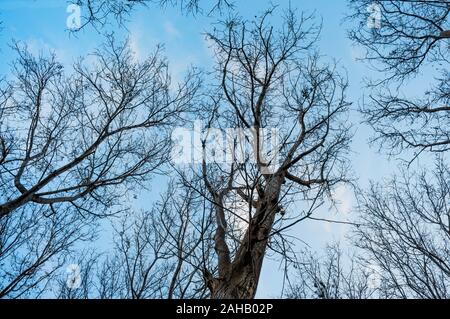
[38, 46]
[142, 41]
[327, 227]
[344, 199]
[237, 205]
[209, 46]
[135, 45]
[357, 53]
[171, 30]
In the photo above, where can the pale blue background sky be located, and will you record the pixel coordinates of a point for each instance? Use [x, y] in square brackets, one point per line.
[42, 25]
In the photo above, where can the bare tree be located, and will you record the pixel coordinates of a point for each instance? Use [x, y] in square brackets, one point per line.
[35, 243]
[98, 13]
[405, 229]
[72, 147]
[410, 36]
[86, 137]
[78, 280]
[158, 254]
[405, 221]
[82, 139]
[4, 147]
[407, 35]
[332, 276]
[268, 79]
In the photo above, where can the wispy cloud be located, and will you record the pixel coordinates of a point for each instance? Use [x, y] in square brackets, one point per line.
[37, 46]
[133, 41]
[344, 200]
[171, 30]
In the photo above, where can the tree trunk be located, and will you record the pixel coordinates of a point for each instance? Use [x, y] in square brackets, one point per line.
[244, 277]
[242, 286]
[241, 281]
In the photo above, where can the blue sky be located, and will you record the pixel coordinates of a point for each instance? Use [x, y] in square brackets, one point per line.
[42, 25]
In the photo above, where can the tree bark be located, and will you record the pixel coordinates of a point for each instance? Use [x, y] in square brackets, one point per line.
[241, 280]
